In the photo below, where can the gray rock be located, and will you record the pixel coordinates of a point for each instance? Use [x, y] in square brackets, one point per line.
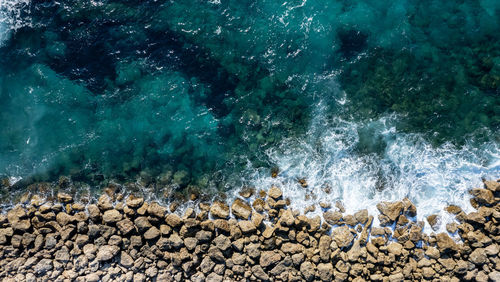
[107, 252]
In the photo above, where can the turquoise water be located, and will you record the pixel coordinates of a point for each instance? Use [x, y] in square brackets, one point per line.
[389, 98]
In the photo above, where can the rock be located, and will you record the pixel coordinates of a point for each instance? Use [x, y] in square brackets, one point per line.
[494, 275]
[332, 217]
[269, 258]
[64, 219]
[190, 243]
[275, 192]
[62, 255]
[107, 252]
[493, 186]
[258, 204]
[390, 209]
[483, 196]
[104, 202]
[126, 260]
[259, 273]
[433, 221]
[491, 250]
[325, 271]
[94, 212]
[409, 209]
[142, 223]
[157, 210]
[134, 202]
[64, 197]
[125, 226]
[445, 243]
[246, 226]
[478, 257]
[173, 220]
[453, 209]
[287, 218]
[214, 277]
[342, 236]
[21, 225]
[43, 266]
[152, 233]
[241, 209]
[111, 216]
[307, 269]
[219, 210]
[361, 216]
[324, 247]
[222, 242]
[206, 265]
[395, 248]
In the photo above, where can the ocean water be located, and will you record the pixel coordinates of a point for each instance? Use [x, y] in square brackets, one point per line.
[375, 100]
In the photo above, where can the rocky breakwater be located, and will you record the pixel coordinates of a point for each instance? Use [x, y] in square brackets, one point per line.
[128, 239]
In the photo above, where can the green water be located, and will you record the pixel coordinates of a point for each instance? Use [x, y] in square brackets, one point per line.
[199, 92]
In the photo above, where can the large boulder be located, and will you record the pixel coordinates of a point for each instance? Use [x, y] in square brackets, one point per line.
[219, 210]
[241, 209]
[342, 236]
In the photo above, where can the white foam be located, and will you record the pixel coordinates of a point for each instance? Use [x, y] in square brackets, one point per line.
[12, 17]
[431, 177]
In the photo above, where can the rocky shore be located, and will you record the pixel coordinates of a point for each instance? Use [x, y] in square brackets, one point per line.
[122, 238]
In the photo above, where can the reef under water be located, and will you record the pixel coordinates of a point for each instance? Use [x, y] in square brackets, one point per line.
[375, 100]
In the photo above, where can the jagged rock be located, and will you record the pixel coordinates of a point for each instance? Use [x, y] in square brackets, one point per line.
[126, 260]
[324, 247]
[478, 257]
[483, 196]
[173, 220]
[342, 236]
[241, 209]
[107, 252]
[268, 258]
[64, 197]
[21, 225]
[43, 266]
[409, 208]
[445, 243]
[259, 273]
[332, 217]
[142, 223]
[111, 216]
[152, 233]
[157, 210]
[64, 219]
[104, 202]
[325, 271]
[433, 221]
[395, 248]
[362, 216]
[125, 226]
[493, 186]
[222, 242]
[94, 212]
[287, 218]
[134, 202]
[219, 210]
[246, 226]
[453, 209]
[308, 271]
[275, 193]
[258, 205]
[390, 209]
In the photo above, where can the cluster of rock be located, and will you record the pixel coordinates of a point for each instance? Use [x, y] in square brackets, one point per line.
[118, 239]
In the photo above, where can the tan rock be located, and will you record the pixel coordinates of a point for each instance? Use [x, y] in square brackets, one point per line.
[269, 258]
[361, 216]
[478, 257]
[241, 209]
[125, 226]
[332, 217]
[134, 202]
[275, 192]
[257, 219]
[64, 197]
[157, 210]
[152, 233]
[219, 210]
[258, 205]
[325, 271]
[493, 186]
[483, 196]
[107, 252]
[445, 243]
[390, 209]
[64, 218]
[395, 248]
[246, 226]
[342, 236]
[173, 220]
[111, 216]
[433, 221]
[126, 260]
[409, 208]
[287, 218]
[453, 209]
[104, 202]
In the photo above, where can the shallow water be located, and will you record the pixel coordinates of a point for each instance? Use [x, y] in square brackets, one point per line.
[376, 100]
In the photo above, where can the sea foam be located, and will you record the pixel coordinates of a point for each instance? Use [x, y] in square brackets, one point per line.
[401, 165]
